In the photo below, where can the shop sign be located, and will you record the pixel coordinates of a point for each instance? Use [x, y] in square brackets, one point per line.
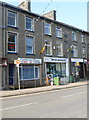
[76, 60]
[30, 61]
[56, 60]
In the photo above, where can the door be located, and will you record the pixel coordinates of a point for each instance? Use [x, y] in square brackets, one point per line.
[81, 72]
[11, 74]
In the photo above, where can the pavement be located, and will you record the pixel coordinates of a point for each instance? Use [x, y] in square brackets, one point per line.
[8, 93]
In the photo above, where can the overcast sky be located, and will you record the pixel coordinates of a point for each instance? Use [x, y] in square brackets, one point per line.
[72, 12]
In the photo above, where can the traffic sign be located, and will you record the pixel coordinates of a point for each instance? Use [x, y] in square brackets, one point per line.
[16, 61]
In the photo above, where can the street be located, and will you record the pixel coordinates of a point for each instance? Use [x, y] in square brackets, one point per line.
[66, 103]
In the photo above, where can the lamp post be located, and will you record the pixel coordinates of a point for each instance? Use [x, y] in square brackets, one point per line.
[17, 62]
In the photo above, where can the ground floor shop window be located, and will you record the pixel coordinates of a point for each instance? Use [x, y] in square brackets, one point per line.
[29, 72]
[58, 69]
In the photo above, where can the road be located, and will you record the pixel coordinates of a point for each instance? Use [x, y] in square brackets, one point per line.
[67, 103]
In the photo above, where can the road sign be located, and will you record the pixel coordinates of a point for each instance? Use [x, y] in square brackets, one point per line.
[16, 61]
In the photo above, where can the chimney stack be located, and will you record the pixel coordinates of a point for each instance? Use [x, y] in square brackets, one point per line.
[25, 4]
[51, 15]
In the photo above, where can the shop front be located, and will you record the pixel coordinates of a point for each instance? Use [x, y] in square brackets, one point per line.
[56, 66]
[29, 72]
[78, 67]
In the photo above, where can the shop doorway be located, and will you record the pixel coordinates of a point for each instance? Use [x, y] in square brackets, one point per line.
[81, 72]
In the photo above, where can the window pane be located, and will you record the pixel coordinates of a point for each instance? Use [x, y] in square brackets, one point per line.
[11, 14]
[11, 21]
[11, 37]
[28, 73]
[28, 25]
[48, 47]
[11, 47]
[58, 32]
[74, 51]
[29, 49]
[48, 50]
[60, 49]
[74, 36]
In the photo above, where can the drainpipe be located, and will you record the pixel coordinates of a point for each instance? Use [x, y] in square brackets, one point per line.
[4, 46]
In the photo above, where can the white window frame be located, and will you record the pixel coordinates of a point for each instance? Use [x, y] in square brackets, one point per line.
[32, 46]
[35, 66]
[58, 32]
[47, 26]
[16, 37]
[9, 11]
[49, 45]
[32, 23]
[60, 47]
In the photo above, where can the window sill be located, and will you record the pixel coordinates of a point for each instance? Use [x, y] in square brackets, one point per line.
[12, 52]
[12, 26]
[59, 37]
[48, 35]
[59, 55]
[29, 30]
[84, 43]
[74, 40]
[29, 54]
[48, 55]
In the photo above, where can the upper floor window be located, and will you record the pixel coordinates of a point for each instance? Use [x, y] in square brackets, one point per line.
[29, 45]
[59, 32]
[74, 51]
[48, 47]
[88, 39]
[12, 18]
[83, 38]
[47, 28]
[12, 42]
[29, 24]
[60, 49]
[74, 36]
[83, 51]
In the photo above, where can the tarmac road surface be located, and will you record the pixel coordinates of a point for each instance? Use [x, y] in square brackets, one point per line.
[65, 103]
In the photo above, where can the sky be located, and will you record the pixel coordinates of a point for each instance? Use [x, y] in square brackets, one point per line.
[68, 11]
